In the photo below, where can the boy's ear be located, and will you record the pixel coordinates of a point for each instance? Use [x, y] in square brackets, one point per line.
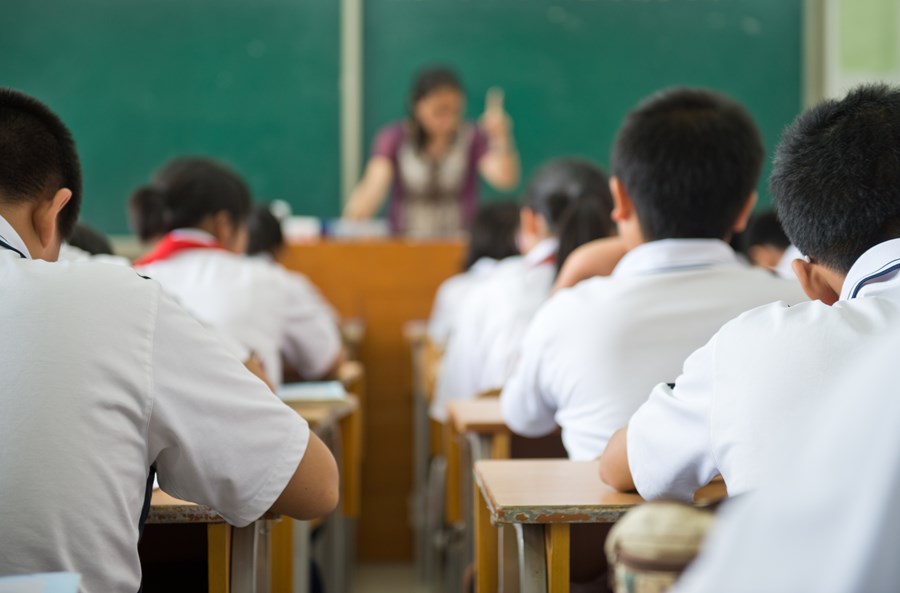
[817, 282]
[744, 217]
[623, 208]
[45, 218]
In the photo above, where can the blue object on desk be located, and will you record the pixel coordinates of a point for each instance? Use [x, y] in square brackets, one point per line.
[47, 582]
[313, 391]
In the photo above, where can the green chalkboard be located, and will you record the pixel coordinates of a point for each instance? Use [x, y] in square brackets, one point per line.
[572, 68]
[252, 82]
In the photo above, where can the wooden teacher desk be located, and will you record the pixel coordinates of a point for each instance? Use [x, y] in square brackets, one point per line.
[385, 284]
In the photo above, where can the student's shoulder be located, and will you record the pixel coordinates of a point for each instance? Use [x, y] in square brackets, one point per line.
[764, 280]
[574, 306]
[777, 318]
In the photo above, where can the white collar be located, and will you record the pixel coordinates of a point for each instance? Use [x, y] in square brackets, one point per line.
[483, 265]
[194, 235]
[875, 272]
[9, 235]
[542, 252]
[672, 255]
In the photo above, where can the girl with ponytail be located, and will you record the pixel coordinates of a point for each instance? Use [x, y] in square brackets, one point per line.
[566, 203]
[197, 211]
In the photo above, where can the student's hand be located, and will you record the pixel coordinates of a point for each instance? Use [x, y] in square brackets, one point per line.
[255, 366]
[597, 258]
[496, 122]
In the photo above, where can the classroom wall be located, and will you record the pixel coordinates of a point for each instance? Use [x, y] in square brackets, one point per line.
[860, 43]
[573, 68]
[256, 82]
[252, 82]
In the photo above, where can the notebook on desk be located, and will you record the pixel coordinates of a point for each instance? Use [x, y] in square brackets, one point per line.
[55, 582]
[313, 391]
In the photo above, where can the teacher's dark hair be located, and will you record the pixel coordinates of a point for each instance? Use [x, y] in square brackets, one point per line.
[183, 193]
[427, 81]
[493, 233]
[573, 197]
[37, 156]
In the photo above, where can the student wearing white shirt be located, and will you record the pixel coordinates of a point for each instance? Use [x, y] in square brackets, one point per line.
[828, 521]
[492, 239]
[743, 399]
[566, 204]
[685, 164]
[200, 209]
[104, 377]
[265, 242]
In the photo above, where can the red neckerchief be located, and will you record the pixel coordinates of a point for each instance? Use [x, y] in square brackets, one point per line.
[549, 260]
[171, 245]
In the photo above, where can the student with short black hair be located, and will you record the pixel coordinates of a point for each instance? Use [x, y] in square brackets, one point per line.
[566, 204]
[200, 208]
[766, 244]
[685, 167]
[743, 398]
[105, 378]
[492, 239]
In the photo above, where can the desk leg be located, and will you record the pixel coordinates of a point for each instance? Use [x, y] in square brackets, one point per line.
[485, 547]
[282, 556]
[302, 554]
[500, 446]
[218, 550]
[245, 561]
[532, 558]
[507, 550]
[557, 544]
[452, 510]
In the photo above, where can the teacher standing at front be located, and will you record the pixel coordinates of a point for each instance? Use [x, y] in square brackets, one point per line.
[431, 162]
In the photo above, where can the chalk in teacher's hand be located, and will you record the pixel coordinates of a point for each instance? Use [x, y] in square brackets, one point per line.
[494, 99]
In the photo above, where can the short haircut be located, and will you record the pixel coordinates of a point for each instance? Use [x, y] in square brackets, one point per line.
[764, 229]
[37, 156]
[264, 232]
[836, 177]
[493, 233]
[184, 192]
[689, 160]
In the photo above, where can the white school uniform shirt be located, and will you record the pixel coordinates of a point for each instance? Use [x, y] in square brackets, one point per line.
[594, 351]
[101, 375]
[71, 253]
[484, 347]
[452, 294]
[828, 521]
[743, 398]
[272, 312]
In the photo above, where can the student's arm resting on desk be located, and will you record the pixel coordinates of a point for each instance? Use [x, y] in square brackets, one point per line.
[220, 437]
[669, 452]
[370, 193]
[597, 258]
[614, 468]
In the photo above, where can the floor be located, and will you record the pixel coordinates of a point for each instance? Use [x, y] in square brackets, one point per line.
[387, 578]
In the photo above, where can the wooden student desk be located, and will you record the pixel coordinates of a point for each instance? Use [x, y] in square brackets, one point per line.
[539, 499]
[237, 557]
[339, 425]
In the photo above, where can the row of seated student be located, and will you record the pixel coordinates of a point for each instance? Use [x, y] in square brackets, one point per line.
[108, 380]
[796, 407]
[566, 204]
[199, 210]
[714, 368]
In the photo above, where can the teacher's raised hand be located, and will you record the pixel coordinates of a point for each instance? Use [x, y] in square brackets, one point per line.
[500, 166]
[495, 122]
